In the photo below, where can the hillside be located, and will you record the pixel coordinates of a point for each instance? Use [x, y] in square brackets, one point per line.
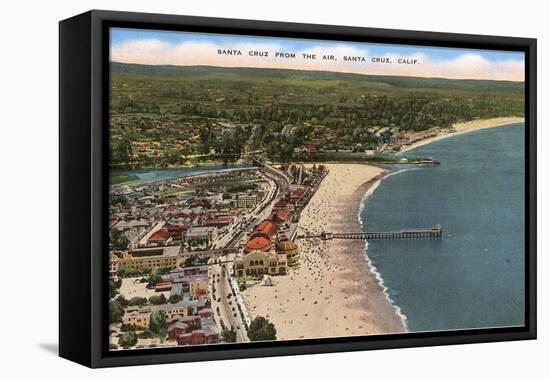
[171, 115]
[397, 81]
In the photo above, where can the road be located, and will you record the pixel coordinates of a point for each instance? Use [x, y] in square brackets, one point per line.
[225, 304]
[225, 301]
[247, 222]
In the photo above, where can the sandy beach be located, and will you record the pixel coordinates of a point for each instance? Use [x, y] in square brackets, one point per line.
[465, 127]
[333, 291]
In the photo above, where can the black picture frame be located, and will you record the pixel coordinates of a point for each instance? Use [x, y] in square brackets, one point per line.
[83, 195]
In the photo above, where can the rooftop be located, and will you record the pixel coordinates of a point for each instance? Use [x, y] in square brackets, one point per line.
[286, 246]
[149, 252]
[279, 215]
[258, 242]
[267, 227]
[161, 235]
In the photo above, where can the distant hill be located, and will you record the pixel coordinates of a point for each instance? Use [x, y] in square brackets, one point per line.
[396, 81]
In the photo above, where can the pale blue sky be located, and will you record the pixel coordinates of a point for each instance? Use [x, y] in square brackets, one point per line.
[186, 48]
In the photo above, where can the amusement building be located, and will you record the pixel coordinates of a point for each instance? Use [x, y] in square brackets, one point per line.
[269, 249]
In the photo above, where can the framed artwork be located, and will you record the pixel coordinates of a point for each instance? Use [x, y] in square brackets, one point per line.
[234, 188]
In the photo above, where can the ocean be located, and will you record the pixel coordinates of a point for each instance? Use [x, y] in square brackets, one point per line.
[473, 277]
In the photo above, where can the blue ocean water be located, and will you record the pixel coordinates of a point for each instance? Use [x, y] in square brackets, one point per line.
[474, 276]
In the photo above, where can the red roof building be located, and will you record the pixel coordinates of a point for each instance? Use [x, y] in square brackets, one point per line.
[163, 286]
[267, 228]
[175, 329]
[223, 221]
[176, 231]
[279, 215]
[161, 235]
[280, 204]
[196, 337]
[297, 194]
[258, 243]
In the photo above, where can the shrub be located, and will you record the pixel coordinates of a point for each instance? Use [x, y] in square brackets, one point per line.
[128, 339]
[261, 329]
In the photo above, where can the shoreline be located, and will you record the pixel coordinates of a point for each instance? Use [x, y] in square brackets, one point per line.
[378, 313]
[463, 128]
[369, 191]
[335, 291]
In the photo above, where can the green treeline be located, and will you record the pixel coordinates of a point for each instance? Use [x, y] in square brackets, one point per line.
[164, 115]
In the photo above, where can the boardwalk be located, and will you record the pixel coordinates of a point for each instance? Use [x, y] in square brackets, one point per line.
[421, 233]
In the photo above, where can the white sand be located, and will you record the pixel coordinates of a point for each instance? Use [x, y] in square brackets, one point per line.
[466, 127]
[332, 292]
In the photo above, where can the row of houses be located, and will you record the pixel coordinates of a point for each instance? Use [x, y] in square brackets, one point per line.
[136, 211]
[140, 316]
[191, 280]
[193, 330]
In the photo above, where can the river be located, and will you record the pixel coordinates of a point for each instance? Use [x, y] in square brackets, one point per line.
[153, 174]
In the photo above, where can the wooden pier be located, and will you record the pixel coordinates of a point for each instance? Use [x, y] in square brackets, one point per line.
[421, 233]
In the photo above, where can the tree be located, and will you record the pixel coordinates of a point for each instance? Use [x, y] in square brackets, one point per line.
[205, 136]
[119, 240]
[175, 298]
[137, 301]
[157, 324]
[229, 336]
[128, 339]
[114, 286]
[115, 312]
[261, 329]
[122, 300]
[158, 299]
[147, 334]
[121, 152]
[155, 277]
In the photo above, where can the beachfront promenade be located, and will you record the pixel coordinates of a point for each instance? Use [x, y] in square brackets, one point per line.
[428, 233]
[232, 310]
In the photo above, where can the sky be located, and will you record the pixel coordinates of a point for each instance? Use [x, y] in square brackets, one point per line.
[189, 49]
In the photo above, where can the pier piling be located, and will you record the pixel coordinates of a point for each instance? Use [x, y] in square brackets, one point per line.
[428, 233]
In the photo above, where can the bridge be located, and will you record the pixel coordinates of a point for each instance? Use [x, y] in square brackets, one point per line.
[419, 233]
[281, 178]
